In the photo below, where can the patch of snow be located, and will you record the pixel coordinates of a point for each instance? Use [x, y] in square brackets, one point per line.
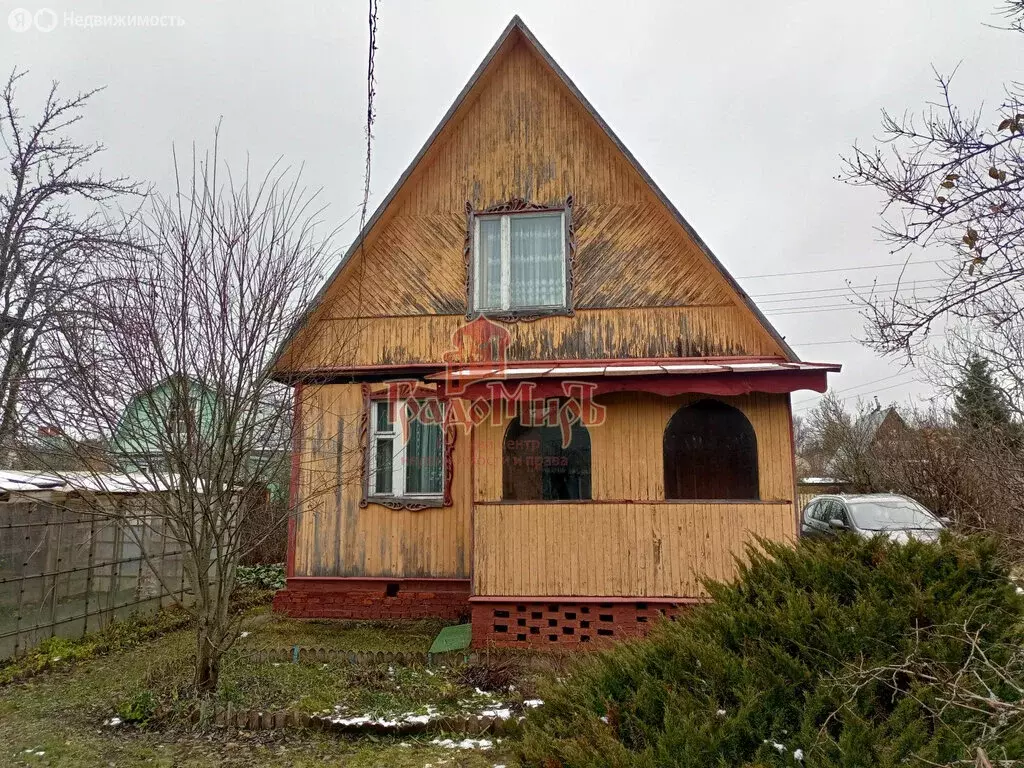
[533, 703]
[386, 721]
[798, 754]
[464, 744]
[502, 714]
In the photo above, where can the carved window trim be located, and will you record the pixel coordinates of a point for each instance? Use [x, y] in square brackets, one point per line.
[519, 205]
[413, 504]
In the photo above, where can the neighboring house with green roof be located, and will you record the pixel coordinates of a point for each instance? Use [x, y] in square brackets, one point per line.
[177, 415]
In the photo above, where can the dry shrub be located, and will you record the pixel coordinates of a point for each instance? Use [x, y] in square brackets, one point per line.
[491, 673]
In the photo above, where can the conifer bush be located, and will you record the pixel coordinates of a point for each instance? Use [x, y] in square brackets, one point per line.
[840, 653]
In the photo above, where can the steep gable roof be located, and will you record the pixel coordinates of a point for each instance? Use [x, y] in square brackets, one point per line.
[517, 30]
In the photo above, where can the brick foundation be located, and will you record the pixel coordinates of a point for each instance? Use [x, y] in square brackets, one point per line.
[557, 624]
[374, 599]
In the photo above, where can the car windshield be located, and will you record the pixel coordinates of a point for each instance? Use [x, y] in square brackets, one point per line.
[890, 514]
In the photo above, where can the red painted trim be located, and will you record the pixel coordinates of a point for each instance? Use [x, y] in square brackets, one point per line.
[472, 509]
[351, 370]
[293, 487]
[792, 449]
[721, 384]
[524, 599]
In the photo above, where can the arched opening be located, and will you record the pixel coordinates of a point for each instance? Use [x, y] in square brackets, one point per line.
[535, 466]
[710, 452]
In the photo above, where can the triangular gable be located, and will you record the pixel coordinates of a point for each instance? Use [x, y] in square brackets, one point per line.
[515, 31]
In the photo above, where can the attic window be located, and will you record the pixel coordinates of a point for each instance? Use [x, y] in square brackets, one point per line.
[519, 261]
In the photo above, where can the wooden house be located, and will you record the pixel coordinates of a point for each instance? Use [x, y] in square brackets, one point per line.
[530, 394]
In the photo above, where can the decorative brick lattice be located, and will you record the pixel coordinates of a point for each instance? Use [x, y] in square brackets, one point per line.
[555, 625]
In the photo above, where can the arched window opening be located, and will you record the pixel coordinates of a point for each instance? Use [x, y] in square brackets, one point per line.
[535, 466]
[710, 452]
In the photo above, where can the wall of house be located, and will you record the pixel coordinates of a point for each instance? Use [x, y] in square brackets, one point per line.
[334, 536]
[629, 541]
[642, 286]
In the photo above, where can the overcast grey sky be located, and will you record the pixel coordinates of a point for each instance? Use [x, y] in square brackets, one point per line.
[738, 110]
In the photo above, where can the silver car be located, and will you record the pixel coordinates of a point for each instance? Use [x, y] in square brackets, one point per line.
[871, 514]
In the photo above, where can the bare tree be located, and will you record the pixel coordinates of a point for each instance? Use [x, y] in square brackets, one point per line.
[953, 178]
[185, 345]
[842, 442]
[57, 244]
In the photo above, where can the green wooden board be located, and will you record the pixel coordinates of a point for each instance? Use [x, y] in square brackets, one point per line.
[455, 638]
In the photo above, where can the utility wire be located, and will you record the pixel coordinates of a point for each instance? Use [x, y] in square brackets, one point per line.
[850, 389]
[370, 110]
[846, 269]
[811, 292]
[881, 389]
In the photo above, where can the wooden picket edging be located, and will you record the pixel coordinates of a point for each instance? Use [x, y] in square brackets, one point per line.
[297, 654]
[257, 720]
[317, 655]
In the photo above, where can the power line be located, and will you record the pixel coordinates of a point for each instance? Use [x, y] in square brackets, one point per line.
[881, 389]
[371, 111]
[824, 343]
[810, 309]
[857, 386]
[842, 288]
[845, 269]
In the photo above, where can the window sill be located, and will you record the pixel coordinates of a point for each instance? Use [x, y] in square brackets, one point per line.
[412, 503]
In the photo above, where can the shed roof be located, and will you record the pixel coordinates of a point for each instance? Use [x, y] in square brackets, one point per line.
[76, 482]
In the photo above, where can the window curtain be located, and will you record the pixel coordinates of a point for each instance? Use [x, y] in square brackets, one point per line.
[538, 263]
[424, 458]
[489, 264]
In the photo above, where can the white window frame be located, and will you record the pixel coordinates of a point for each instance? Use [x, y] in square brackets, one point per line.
[397, 434]
[506, 261]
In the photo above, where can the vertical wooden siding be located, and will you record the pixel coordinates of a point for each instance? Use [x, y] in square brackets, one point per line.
[617, 549]
[629, 541]
[522, 133]
[626, 451]
[336, 537]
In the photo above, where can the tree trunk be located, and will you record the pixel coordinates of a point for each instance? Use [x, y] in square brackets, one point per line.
[208, 655]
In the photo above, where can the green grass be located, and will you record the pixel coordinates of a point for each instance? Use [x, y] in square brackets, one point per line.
[60, 712]
[280, 632]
